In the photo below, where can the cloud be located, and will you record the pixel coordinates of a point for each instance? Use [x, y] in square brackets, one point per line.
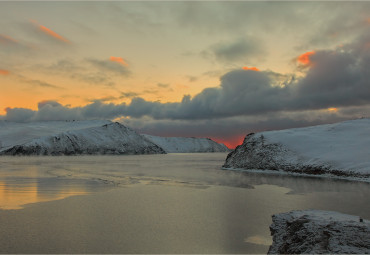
[4, 72]
[43, 84]
[118, 60]
[305, 58]
[7, 40]
[19, 114]
[335, 87]
[192, 78]
[128, 94]
[104, 99]
[237, 50]
[92, 70]
[251, 68]
[49, 33]
[115, 67]
[163, 85]
[231, 130]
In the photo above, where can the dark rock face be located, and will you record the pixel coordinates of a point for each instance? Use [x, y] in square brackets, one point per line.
[309, 232]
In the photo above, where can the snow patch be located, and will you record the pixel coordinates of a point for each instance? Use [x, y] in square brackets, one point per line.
[187, 144]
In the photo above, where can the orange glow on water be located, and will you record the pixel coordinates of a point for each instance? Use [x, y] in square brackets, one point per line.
[118, 60]
[305, 58]
[251, 68]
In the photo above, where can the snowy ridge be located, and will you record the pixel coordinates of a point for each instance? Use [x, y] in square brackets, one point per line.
[187, 144]
[340, 149]
[15, 133]
[112, 138]
[317, 232]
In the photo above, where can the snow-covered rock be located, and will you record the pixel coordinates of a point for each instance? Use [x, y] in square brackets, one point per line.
[187, 144]
[317, 232]
[111, 138]
[340, 149]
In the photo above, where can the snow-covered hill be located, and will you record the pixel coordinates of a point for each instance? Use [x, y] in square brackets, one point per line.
[110, 138]
[319, 232]
[187, 144]
[15, 133]
[340, 149]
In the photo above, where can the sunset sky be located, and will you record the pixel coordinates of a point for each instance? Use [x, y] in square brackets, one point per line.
[186, 68]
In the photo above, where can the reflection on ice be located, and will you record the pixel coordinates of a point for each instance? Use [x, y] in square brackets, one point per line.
[35, 179]
[260, 240]
[27, 180]
[16, 192]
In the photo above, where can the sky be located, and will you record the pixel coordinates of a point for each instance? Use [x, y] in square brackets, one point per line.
[186, 68]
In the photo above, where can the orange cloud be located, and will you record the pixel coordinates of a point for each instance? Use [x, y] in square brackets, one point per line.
[53, 34]
[251, 68]
[118, 60]
[305, 58]
[50, 32]
[4, 39]
[332, 109]
[4, 72]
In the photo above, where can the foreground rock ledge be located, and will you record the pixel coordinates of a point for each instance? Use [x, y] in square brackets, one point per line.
[314, 231]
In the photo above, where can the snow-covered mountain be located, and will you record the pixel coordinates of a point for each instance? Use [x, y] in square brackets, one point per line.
[187, 144]
[319, 232]
[110, 138]
[16, 133]
[340, 149]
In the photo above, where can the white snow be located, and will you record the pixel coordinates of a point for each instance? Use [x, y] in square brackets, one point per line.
[315, 231]
[187, 144]
[340, 149]
[15, 133]
[110, 138]
[344, 145]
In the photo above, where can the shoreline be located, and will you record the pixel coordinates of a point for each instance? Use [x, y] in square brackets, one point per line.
[295, 174]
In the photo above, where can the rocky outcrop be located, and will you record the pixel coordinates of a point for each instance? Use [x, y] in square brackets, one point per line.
[112, 138]
[338, 150]
[318, 232]
[257, 153]
[187, 144]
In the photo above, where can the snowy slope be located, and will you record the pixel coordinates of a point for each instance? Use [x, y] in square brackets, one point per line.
[187, 144]
[112, 138]
[15, 133]
[340, 149]
[318, 232]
